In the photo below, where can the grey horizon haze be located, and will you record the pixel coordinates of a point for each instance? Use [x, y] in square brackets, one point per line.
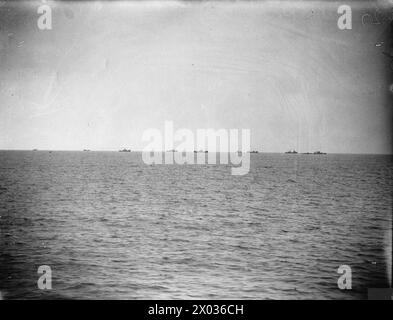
[107, 71]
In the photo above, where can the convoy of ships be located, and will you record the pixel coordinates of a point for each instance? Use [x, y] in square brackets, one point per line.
[293, 151]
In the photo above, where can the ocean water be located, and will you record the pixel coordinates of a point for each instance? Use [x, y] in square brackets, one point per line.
[112, 227]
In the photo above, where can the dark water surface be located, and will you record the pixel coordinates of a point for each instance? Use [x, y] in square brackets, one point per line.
[113, 227]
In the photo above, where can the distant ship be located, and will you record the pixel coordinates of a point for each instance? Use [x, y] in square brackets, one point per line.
[125, 150]
[253, 151]
[316, 152]
[86, 150]
[292, 152]
[35, 149]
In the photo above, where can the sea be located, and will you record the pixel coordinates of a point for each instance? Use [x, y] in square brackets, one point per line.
[110, 226]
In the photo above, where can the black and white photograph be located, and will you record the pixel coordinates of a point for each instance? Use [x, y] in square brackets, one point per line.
[196, 150]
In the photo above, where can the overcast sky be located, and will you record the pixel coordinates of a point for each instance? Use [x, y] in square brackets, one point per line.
[108, 71]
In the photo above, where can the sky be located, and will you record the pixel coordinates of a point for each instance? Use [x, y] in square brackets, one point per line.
[108, 71]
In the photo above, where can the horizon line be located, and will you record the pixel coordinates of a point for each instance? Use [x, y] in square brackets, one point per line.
[200, 151]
